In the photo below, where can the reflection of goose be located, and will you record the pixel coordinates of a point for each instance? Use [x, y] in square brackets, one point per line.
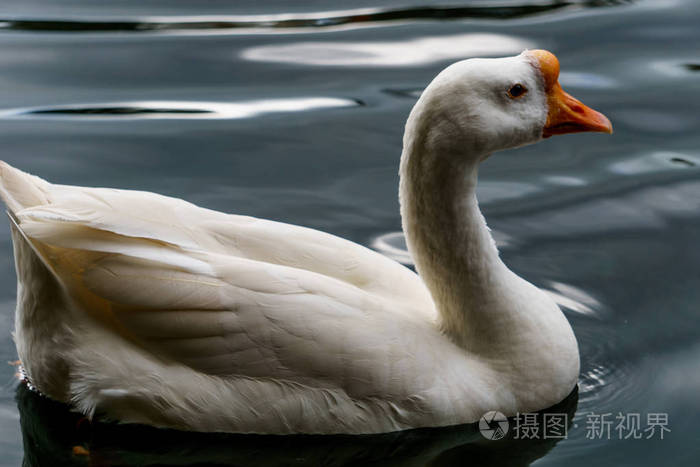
[50, 432]
[150, 310]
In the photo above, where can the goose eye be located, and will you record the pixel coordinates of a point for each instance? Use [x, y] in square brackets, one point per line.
[516, 91]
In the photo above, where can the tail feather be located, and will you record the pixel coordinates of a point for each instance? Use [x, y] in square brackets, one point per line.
[20, 190]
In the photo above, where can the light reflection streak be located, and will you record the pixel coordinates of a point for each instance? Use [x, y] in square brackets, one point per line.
[654, 162]
[178, 109]
[296, 22]
[388, 53]
[573, 298]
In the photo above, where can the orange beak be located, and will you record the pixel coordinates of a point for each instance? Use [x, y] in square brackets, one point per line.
[566, 114]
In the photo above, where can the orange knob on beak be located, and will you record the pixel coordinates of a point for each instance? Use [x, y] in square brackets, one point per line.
[566, 114]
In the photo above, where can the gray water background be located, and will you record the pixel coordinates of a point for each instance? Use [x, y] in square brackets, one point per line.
[128, 94]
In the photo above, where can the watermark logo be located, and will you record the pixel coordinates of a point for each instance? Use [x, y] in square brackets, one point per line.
[541, 426]
[493, 425]
[626, 425]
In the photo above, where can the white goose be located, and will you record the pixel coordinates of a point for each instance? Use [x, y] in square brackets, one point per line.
[147, 309]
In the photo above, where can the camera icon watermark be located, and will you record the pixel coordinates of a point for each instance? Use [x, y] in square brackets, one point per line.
[493, 425]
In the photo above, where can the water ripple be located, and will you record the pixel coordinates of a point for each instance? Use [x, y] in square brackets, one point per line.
[608, 379]
[393, 245]
[180, 110]
[573, 298]
[322, 20]
[653, 162]
[417, 51]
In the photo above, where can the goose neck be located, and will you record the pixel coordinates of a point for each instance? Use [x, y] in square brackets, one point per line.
[447, 236]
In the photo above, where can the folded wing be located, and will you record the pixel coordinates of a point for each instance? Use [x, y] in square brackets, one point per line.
[228, 295]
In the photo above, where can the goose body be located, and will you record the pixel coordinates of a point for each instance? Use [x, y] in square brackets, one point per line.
[147, 309]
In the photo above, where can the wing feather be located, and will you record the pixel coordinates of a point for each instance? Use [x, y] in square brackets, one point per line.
[230, 295]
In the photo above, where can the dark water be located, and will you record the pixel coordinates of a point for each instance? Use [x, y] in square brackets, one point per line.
[299, 118]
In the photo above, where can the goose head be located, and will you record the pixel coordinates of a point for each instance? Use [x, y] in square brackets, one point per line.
[472, 109]
[479, 106]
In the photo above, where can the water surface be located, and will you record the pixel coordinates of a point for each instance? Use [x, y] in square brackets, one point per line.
[295, 113]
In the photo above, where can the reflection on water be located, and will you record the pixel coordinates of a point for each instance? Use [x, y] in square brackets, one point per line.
[654, 162]
[51, 432]
[572, 298]
[294, 111]
[325, 20]
[180, 110]
[572, 79]
[388, 54]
